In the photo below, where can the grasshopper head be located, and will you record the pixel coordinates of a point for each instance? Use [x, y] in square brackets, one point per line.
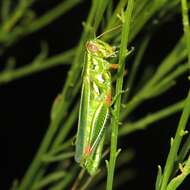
[99, 48]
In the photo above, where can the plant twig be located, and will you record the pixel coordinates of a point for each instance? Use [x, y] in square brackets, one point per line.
[5, 8]
[49, 179]
[177, 55]
[119, 83]
[186, 27]
[67, 179]
[136, 64]
[185, 171]
[17, 14]
[172, 156]
[63, 156]
[37, 66]
[51, 15]
[184, 150]
[78, 179]
[141, 124]
[23, 30]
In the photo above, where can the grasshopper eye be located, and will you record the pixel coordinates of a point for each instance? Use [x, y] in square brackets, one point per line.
[92, 47]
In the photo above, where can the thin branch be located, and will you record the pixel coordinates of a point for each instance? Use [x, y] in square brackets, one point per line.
[143, 123]
[36, 66]
[136, 64]
[185, 171]
[51, 178]
[8, 37]
[119, 84]
[17, 14]
[51, 15]
[63, 156]
[172, 156]
[186, 27]
[5, 9]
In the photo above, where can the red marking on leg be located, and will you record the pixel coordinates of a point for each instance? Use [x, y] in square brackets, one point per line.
[108, 99]
[114, 66]
[87, 150]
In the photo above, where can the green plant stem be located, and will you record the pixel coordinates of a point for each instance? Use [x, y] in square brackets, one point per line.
[177, 55]
[139, 6]
[166, 82]
[101, 6]
[141, 124]
[186, 27]
[113, 18]
[37, 66]
[51, 178]
[67, 180]
[34, 167]
[119, 84]
[172, 156]
[184, 150]
[5, 8]
[51, 15]
[17, 14]
[21, 31]
[64, 146]
[185, 171]
[68, 125]
[136, 64]
[78, 179]
[61, 148]
[144, 16]
[87, 183]
[60, 157]
[183, 153]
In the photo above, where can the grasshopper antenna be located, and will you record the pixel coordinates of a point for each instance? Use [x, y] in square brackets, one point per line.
[108, 31]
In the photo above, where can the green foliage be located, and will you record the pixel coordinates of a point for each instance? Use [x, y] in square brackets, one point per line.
[134, 16]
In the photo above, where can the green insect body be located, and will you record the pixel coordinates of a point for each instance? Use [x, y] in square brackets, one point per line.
[94, 105]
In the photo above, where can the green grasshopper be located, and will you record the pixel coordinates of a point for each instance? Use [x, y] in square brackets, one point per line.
[94, 104]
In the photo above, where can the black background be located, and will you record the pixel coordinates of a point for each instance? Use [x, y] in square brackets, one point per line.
[26, 103]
